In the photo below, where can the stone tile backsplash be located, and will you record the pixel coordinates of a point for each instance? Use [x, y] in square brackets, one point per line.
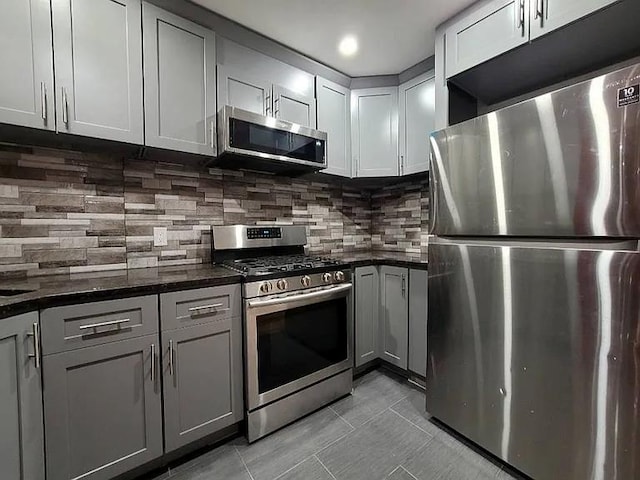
[67, 211]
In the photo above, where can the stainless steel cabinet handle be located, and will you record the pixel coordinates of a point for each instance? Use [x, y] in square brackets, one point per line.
[65, 108]
[170, 357]
[206, 307]
[267, 101]
[35, 333]
[401, 164]
[276, 107]
[540, 10]
[212, 132]
[153, 362]
[43, 100]
[404, 286]
[104, 324]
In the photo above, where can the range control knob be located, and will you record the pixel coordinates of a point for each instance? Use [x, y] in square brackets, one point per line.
[305, 281]
[266, 287]
[326, 277]
[282, 284]
[339, 276]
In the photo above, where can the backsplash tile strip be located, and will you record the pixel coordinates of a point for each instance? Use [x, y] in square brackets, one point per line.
[68, 211]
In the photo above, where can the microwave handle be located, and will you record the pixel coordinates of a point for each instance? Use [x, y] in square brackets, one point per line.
[303, 296]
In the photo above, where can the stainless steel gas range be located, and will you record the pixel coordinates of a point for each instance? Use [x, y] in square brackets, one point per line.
[298, 325]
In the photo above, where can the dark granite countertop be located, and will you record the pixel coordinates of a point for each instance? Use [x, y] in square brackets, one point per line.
[47, 291]
[54, 290]
[380, 257]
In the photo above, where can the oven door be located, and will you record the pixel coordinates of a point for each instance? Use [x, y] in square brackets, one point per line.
[296, 340]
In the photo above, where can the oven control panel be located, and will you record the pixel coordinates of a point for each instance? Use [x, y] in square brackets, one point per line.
[296, 282]
[264, 232]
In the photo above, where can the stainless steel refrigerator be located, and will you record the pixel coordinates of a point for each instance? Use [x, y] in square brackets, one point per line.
[534, 281]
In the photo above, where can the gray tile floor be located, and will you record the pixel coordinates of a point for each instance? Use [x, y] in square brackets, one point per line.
[379, 432]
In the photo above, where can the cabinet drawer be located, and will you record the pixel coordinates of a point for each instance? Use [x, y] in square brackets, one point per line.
[204, 305]
[95, 323]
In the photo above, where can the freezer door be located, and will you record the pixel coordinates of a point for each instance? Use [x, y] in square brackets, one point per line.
[533, 355]
[564, 164]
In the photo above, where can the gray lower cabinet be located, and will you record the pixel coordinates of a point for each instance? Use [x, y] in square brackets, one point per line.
[394, 316]
[418, 321]
[98, 68]
[102, 409]
[367, 308]
[21, 427]
[417, 111]
[179, 83]
[202, 380]
[374, 132]
[26, 76]
[334, 117]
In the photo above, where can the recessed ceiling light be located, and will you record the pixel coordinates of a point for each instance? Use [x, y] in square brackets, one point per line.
[348, 46]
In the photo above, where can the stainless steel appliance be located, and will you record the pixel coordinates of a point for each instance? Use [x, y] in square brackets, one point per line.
[534, 281]
[258, 142]
[298, 325]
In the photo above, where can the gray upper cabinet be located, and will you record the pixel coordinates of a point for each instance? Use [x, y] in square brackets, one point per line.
[334, 118]
[418, 321]
[98, 68]
[203, 380]
[294, 107]
[367, 306]
[496, 27]
[374, 130]
[394, 315]
[21, 442]
[548, 15]
[102, 406]
[241, 90]
[26, 76]
[179, 83]
[416, 122]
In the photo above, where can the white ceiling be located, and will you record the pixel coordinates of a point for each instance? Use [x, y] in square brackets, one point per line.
[392, 34]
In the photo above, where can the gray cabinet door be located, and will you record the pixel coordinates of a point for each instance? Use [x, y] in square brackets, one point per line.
[418, 322]
[394, 315]
[98, 68]
[102, 409]
[416, 122]
[179, 83]
[334, 117]
[549, 15]
[367, 307]
[21, 441]
[294, 107]
[374, 130]
[241, 90]
[495, 28]
[203, 380]
[26, 75]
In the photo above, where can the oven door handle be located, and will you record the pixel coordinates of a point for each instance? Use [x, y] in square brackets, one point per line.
[302, 296]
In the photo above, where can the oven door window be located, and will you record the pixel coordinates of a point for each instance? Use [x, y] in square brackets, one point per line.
[297, 342]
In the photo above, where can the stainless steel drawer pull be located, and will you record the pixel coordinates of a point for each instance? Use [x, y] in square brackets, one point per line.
[65, 108]
[105, 324]
[170, 357]
[43, 100]
[153, 362]
[206, 307]
[35, 333]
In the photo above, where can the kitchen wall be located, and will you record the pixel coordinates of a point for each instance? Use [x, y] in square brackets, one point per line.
[67, 211]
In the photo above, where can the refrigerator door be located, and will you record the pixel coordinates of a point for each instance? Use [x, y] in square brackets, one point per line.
[564, 164]
[534, 355]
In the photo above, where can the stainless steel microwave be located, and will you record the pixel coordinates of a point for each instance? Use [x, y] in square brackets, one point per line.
[257, 142]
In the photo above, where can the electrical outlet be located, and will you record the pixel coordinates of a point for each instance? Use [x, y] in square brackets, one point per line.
[159, 236]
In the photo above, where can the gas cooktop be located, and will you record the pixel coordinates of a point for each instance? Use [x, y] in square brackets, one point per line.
[279, 264]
